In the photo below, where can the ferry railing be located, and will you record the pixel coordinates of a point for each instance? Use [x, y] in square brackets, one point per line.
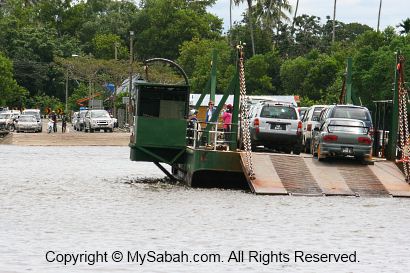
[215, 139]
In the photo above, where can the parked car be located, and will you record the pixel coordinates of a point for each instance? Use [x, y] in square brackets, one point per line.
[36, 113]
[310, 120]
[276, 125]
[98, 120]
[342, 137]
[7, 121]
[27, 123]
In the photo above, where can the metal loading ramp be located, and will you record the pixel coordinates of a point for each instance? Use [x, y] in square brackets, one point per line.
[279, 174]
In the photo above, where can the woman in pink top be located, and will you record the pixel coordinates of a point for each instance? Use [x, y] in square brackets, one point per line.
[227, 120]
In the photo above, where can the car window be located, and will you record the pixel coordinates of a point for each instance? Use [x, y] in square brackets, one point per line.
[351, 113]
[278, 111]
[347, 126]
[100, 114]
[316, 113]
[27, 118]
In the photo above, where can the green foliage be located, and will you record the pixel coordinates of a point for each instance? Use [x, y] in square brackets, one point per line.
[104, 47]
[309, 76]
[162, 26]
[195, 58]
[11, 93]
[257, 80]
[43, 101]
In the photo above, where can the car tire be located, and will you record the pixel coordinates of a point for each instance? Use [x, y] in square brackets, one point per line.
[297, 150]
[319, 157]
[110, 130]
[91, 130]
[287, 150]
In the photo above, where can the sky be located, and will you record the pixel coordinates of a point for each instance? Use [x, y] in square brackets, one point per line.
[347, 11]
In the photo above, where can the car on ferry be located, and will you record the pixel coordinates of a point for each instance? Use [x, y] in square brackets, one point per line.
[342, 137]
[276, 125]
[310, 120]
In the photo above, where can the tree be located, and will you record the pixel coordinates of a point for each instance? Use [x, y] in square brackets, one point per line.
[104, 46]
[195, 58]
[10, 92]
[162, 26]
[257, 80]
[405, 26]
[250, 21]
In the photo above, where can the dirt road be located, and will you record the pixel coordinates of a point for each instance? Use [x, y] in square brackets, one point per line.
[71, 138]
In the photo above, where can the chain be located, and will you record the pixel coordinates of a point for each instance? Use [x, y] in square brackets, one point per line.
[246, 137]
[403, 122]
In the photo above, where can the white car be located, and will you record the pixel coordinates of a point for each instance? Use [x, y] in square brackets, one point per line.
[36, 113]
[98, 120]
[309, 122]
[27, 123]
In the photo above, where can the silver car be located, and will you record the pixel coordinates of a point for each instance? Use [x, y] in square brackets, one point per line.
[342, 137]
[276, 125]
[97, 120]
[310, 120]
[27, 123]
[7, 121]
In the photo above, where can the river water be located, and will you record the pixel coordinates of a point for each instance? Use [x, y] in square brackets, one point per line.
[79, 200]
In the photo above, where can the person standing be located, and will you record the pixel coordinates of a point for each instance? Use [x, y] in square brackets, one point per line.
[227, 121]
[210, 111]
[63, 123]
[54, 119]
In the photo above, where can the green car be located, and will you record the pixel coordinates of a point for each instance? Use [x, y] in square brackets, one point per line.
[342, 137]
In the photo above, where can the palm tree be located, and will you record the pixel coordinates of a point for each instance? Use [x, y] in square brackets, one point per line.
[249, 2]
[405, 25]
[378, 17]
[268, 12]
[271, 14]
[294, 16]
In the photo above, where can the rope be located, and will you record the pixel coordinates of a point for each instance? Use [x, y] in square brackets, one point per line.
[404, 146]
[246, 137]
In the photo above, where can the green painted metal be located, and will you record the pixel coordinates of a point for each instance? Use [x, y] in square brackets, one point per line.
[201, 159]
[152, 154]
[204, 92]
[213, 74]
[348, 98]
[391, 146]
[155, 132]
[210, 86]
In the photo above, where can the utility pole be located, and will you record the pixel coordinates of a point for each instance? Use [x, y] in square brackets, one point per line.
[392, 144]
[334, 23]
[66, 92]
[131, 72]
[378, 17]
[115, 84]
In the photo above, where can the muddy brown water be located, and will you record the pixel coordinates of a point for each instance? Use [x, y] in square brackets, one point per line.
[87, 199]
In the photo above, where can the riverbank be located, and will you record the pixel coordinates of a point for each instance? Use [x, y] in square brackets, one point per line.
[66, 139]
